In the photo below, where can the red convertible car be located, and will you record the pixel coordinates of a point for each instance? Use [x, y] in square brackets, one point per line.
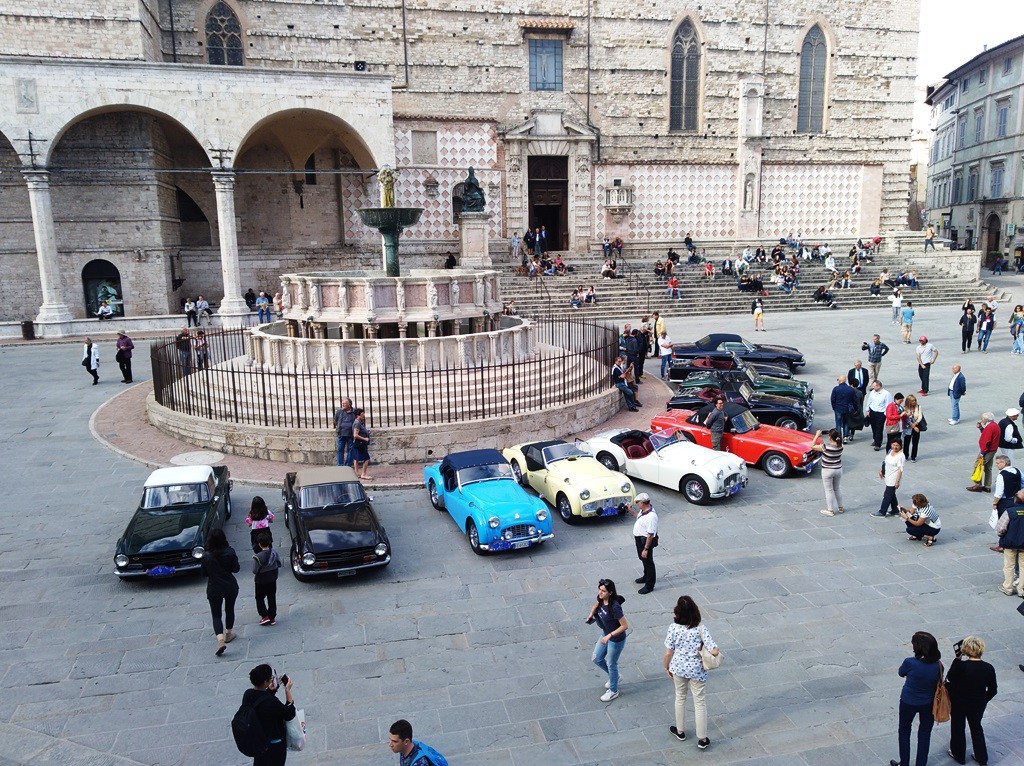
[779, 451]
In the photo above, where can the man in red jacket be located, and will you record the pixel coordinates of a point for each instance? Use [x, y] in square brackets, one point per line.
[988, 443]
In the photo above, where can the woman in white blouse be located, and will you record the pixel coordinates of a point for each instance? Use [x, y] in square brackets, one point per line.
[682, 664]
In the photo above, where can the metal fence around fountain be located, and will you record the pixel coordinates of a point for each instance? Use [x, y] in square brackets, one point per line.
[576, 364]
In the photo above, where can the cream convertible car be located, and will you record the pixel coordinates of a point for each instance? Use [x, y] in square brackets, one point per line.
[570, 479]
[668, 458]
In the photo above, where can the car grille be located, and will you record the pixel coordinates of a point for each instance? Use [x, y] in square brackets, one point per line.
[347, 558]
[732, 480]
[518, 531]
[596, 506]
[165, 558]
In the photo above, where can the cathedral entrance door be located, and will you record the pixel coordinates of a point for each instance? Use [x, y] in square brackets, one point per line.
[549, 192]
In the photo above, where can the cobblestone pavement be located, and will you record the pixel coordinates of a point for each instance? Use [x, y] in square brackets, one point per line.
[489, 657]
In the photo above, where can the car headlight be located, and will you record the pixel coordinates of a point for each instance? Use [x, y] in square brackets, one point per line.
[542, 514]
[198, 551]
[585, 494]
[532, 530]
[381, 549]
[626, 488]
[308, 559]
[121, 560]
[494, 522]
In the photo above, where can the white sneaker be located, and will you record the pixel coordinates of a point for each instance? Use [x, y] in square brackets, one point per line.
[827, 512]
[609, 695]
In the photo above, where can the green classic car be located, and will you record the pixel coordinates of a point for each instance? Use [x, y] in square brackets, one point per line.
[763, 384]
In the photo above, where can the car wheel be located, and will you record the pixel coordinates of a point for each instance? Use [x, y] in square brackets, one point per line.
[435, 496]
[787, 422]
[227, 506]
[609, 462]
[776, 465]
[517, 473]
[695, 489]
[565, 509]
[295, 564]
[474, 538]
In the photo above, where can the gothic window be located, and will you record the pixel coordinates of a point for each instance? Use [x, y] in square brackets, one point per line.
[810, 111]
[223, 36]
[684, 92]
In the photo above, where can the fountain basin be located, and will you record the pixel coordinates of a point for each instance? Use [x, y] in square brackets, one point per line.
[385, 218]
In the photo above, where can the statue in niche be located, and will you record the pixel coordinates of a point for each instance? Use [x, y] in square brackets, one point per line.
[286, 295]
[314, 296]
[748, 192]
[386, 176]
[455, 293]
[431, 295]
[472, 194]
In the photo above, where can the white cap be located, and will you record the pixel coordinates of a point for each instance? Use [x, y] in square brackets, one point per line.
[643, 497]
[1012, 412]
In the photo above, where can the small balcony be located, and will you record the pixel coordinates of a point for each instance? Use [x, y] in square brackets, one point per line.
[618, 200]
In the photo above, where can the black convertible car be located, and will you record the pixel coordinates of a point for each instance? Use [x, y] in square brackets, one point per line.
[333, 526]
[681, 368]
[783, 411]
[167, 534]
[720, 346]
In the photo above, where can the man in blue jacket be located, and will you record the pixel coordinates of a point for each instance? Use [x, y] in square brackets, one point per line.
[844, 404]
[410, 752]
[956, 389]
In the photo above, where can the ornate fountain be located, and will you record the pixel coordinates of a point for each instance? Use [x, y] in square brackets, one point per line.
[389, 220]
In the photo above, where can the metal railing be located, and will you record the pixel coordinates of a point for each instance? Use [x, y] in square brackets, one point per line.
[574, 364]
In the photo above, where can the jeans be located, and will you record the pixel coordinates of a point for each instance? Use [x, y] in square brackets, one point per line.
[700, 708]
[666, 364]
[831, 477]
[263, 315]
[970, 714]
[229, 611]
[983, 336]
[185, 359]
[266, 599]
[929, 243]
[842, 424]
[627, 394]
[650, 573]
[889, 503]
[924, 372]
[606, 657]
[924, 732]
[956, 407]
[345, 450]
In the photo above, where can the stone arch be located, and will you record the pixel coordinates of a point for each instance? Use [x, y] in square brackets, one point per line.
[101, 283]
[691, 18]
[828, 33]
[299, 131]
[16, 235]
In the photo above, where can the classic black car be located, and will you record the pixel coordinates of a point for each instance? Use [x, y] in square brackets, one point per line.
[333, 526]
[720, 345]
[782, 411]
[179, 508]
[682, 367]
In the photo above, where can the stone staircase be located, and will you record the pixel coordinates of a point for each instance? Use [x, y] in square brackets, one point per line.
[638, 292]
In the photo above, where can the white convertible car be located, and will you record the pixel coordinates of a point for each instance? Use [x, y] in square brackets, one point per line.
[668, 458]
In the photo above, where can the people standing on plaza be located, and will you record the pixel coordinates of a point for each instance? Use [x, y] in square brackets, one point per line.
[631, 345]
[923, 523]
[687, 635]
[757, 309]
[923, 674]
[344, 420]
[183, 345]
[968, 322]
[876, 350]
[91, 360]
[124, 355]
[907, 321]
[259, 520]
[643, 349]
[927, 355]
[971, 683]
[895, 420]
[844, 404]
[665, 348]
[1010, 528]
[607, 612]
[896, 299]
[929, 239]
[272, 714]
[201, 348]
[986, 323]
[988, 443]
[263, 308]
[876, 401]
[645, 536]
[891, 473]
[914, 424]
[715, 422]
[857, 377]
[1009, 435]
[831, 449]
[265, 563]
[956, 390]
[409, 751]
[219, 564]
[361, 446]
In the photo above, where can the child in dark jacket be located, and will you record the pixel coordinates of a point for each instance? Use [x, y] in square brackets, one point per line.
[264, 569]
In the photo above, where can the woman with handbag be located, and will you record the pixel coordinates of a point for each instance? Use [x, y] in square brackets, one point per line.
[923, 672]
[690, 652]
[91, 360]
[914, 425]
[895, 418]
[971, 683]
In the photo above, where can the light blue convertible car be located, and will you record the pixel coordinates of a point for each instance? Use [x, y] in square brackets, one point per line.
[478, 490]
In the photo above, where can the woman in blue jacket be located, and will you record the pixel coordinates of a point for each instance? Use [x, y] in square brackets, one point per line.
[923, 676]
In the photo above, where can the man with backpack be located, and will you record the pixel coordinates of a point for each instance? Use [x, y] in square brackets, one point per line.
[259, 724]
[264, 568]
[411, 753]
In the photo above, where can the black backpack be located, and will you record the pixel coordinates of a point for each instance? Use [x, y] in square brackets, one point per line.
[250, 738]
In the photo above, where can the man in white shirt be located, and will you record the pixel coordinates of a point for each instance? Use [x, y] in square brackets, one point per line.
[897, 304]
[927, 354]
[876, 401]
[645, 532]
[665, 351]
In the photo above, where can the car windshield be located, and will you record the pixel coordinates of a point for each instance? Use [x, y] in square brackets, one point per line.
[324, 495]
[558, 452]
[175, 494]
[751, 375]
[745, 421]
[746, 391]
[749, 346]
[476, 473]
[704, 342]
[662, 439]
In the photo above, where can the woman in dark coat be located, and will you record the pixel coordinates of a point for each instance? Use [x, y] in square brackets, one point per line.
[219, 563]
[971, 683]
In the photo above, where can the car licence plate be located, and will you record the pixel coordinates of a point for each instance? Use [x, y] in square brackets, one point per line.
[346, 573]
[735, 488]
[611, 510]
[521, 544]
[160, 571]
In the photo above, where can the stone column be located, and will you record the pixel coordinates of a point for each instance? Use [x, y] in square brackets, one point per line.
[232, 305]
[53, 310]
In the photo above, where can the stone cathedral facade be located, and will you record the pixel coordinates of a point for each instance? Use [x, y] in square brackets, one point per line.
[156, 149]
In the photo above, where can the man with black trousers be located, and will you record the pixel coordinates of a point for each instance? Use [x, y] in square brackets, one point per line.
[645, 532]
[858, 377]
[272, 714]
[877, 400]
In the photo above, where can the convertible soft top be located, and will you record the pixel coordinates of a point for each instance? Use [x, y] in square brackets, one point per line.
[460, 460]
[542, 445]
[311, 477]
[730, 409]
[717, 338]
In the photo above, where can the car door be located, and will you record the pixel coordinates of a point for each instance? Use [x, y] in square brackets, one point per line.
[537, 471]
[454, 502]
[701, 435]
[646, 468]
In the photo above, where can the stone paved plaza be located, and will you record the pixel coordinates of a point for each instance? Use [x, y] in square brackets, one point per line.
[489, 658]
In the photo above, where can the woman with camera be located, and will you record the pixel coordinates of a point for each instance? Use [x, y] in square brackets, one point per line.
[971, 684]
[607, 613]
[922, 520]
[923, 674]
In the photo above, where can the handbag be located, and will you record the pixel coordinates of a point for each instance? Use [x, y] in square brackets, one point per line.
[296, 731]
[922, 425]
[993, 518]
[708, 660]
[940, 705]
[979, 470]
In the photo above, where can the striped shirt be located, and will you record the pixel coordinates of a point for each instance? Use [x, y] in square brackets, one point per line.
[831, 455]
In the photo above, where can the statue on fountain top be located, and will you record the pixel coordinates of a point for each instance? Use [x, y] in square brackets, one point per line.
[386, 176]
[472, 194]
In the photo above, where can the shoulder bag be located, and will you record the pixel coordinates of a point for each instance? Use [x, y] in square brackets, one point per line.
[708, 660]
[922, 424]
[940, 705]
